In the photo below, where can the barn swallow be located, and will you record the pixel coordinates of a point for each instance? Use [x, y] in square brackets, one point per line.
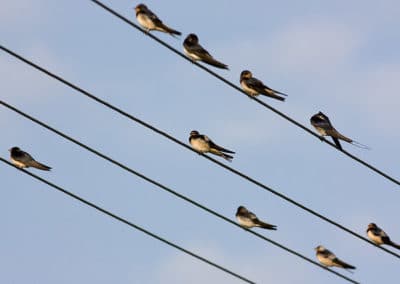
[195, 51]
[379, 237]
[324, 127]
[253, 87]
[149, 21]
[328, 258]
[249, 220]
[23, 160]
[203, 144]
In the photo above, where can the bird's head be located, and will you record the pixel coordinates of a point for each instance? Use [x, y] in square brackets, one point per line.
[192, 39]
[372, 226]
[140, 8]
[241, 209]
[246, 74]
[320, 248]
[194, 133]
[14, 149]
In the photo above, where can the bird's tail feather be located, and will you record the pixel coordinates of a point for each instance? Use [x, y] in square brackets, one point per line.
[283, 94]
[347, 266]
[359, 145]
[336, 135]
[394, 245]
[274, 96]
[227, 157]
[343, 264]
[341, 137]
[266, 226]
[215, 63]
[40, 166]
[171, 31]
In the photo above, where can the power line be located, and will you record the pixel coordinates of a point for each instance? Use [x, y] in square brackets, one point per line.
[112, 215]
[170, 137]
[259, 184]
[165, 188]
[281, 114]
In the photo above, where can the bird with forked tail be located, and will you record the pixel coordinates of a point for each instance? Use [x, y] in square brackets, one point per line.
[324, 127]
[379, 237]
[202, 144]
[23, 160]
[249, 220]
[196, 52]
[328, 258]
[149, 21]
[254, 87]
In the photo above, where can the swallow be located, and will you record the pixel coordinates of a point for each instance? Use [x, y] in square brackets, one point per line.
[328, 258]
[195, 51]
[149, 21]
[254, 87]
[324, 127]
[379, 237]
[249, 220]
[23, 160]
[202, 144]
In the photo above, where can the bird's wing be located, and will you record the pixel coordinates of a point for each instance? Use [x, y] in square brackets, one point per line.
[200, 51]
[153, 16]
[255, 84]
[25, 157]
[219, 148]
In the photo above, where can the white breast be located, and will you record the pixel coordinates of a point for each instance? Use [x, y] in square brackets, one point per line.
[245, 222]
[200, 145]
[18, 164]
[191, 55]
[251, 92]
[321, 131]
[324, 260]
[375, 239]
[145, 22]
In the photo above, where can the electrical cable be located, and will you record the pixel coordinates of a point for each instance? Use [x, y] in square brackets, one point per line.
[165, 188]
[281, 114]
[126, 222]
[168, 136]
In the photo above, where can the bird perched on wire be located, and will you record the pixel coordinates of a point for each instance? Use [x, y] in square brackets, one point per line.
[249, 220]
[23, 160]
[196, 52]
[202, 144]
[379, 237]
[328, 258]
[324, 127]
[254, 87]
[149, 21]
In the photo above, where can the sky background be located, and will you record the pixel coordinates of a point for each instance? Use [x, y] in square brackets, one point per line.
[341, 58]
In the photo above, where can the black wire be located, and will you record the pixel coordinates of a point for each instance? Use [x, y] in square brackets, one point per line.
[165, 188]
[259, 184]
[240, 90]
[112, 215]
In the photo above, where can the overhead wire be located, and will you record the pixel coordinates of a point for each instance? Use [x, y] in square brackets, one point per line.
[281, 114]
[126, 222]
[170, 137]
[165, 188]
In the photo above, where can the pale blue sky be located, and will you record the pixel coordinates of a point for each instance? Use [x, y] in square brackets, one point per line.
[341, 58]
